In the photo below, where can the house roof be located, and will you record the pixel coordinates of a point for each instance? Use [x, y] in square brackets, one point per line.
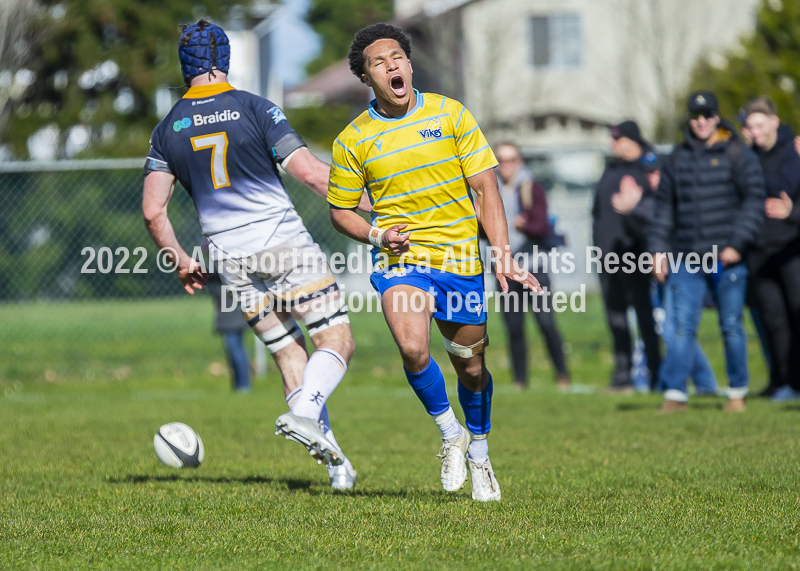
[334, 84]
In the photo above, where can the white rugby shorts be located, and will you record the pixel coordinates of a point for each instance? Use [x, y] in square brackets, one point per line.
[286, 275]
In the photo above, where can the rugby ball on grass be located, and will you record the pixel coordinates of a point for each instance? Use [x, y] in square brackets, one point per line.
[178, 446]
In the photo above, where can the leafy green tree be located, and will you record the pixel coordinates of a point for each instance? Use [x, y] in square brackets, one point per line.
[766, 63]
[321, 125]
[99, 64]
[337, 21]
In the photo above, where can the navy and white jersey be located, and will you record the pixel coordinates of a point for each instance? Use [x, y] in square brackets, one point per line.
[224, 146]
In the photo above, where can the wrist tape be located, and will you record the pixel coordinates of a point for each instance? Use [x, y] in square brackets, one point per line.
[376, 237]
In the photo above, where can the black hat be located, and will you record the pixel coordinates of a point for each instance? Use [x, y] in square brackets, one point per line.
[629, 130]
[703, 101]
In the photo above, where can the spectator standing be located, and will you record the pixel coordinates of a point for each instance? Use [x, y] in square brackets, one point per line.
[711, 196]
[774, 261]
[702, 374]
[525, 203]
[621, 213]
[747, 137]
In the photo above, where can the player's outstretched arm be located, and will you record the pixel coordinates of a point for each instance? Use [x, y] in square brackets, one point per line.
[313, 173]
[158, 187]
[493, 217]
[309, 170]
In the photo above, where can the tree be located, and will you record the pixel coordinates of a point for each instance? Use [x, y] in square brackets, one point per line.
[321, 125]
[660, 41]
[337, 21]
[15, 18]
[95, 69]
[766, 63]
[438, 45]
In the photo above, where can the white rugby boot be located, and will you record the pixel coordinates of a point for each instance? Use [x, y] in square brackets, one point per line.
[484, 485]
[342, 477]
[454, 463]
[306, 431]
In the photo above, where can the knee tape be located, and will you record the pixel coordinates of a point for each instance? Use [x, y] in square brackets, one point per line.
[465, 352]
[281, 335]
[332, 312]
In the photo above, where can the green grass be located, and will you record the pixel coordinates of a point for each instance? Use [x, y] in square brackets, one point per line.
[588, 480]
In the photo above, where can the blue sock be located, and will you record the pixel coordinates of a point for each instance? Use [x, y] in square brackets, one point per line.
[477, 407]
[428, 384]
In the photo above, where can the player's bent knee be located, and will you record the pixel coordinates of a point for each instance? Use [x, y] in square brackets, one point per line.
[466, 351]
[281, 335]
[415, 357]
[471, 375]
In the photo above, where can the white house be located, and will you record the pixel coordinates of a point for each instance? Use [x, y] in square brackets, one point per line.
[548, 72]
[551, 75]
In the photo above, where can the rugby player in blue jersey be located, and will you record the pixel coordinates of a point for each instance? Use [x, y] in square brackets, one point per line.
[224, 146]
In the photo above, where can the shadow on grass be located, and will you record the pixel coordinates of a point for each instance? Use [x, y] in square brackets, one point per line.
[310, 487]
[706, 405]
[633, 406]
[629, 406]
[291, 483]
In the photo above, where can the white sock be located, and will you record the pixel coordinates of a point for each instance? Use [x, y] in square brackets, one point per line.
[479, 448]
[325, 420]
[345, 463]
[326, 427]
[291, 398]
[448, 424]
[323, 373]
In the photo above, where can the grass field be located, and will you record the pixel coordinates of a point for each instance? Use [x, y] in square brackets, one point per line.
[588, 480]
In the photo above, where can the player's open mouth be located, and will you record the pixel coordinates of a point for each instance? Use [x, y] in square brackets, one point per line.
[398, 85]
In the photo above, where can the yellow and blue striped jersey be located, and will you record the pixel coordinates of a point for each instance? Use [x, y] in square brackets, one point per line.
[415, 169]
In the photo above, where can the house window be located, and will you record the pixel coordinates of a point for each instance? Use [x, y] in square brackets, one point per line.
[556, 41]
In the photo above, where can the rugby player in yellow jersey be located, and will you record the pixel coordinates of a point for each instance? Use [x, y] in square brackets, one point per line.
[417, 155]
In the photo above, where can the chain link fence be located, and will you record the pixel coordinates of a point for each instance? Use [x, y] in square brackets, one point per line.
[73, 230]
[81, 295]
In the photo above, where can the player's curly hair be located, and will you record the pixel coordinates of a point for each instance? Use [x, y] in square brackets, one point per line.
[369, 35]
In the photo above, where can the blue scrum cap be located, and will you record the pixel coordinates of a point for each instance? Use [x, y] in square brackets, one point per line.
[203, 46]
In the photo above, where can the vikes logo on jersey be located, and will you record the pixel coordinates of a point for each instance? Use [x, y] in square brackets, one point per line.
[432, 131]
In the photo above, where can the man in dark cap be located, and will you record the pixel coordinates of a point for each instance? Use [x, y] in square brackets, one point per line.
[710, 200]
[621, 213]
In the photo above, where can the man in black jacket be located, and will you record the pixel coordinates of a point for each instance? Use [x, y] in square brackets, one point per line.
[620, 214]
[711, 199]
[774, 261]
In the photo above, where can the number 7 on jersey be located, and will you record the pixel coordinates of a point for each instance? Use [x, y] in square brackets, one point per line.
[218, 143]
